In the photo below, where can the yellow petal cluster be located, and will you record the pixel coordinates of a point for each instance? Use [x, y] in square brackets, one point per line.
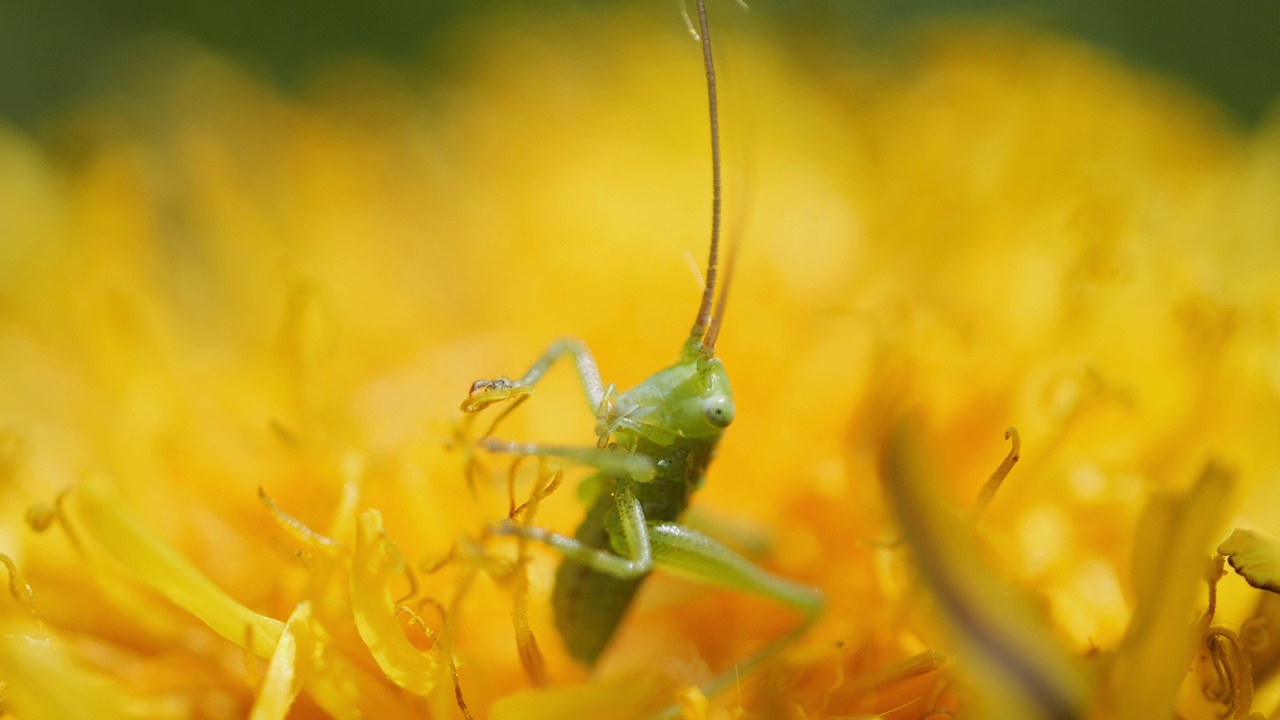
[212, 291]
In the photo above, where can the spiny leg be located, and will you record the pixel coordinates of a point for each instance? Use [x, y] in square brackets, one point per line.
[693, 555]
[640, 468]
[486, 392]
[686, 552]
[630, 538]
[643, 546]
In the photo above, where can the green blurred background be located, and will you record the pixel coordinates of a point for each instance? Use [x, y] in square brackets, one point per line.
[54, 51]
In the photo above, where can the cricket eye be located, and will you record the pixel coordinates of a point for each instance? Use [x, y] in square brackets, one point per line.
[718, 411]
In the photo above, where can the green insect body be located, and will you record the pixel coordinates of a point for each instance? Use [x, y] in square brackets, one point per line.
[675, 418]
[654, 445]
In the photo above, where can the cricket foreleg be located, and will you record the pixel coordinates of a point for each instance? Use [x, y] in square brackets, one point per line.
[631, 541]
[486, 392]
[610, 462]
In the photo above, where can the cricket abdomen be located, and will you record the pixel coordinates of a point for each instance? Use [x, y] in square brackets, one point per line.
[589, 605]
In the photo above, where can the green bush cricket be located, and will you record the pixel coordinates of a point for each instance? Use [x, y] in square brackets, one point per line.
[655, 442]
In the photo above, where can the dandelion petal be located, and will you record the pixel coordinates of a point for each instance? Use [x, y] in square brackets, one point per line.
[1255, 557]
[1168, 565]
[289, 666]
[109, 524]
[42, 682]
[375, 615]
[1017, 667]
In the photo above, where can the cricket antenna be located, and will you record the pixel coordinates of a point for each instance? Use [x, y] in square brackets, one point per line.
[708, 292]
[713, 331]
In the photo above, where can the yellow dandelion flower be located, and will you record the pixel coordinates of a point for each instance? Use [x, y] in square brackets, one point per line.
[235, 328]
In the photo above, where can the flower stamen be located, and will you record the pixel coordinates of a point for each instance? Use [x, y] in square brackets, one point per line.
[836, 683]
[443, 643]
[295, 527]
[531, 658]
[988, 491]
[19, 588]
[41, 517]
[398, 559]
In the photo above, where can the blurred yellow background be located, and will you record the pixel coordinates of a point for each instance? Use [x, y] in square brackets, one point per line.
[210, 284]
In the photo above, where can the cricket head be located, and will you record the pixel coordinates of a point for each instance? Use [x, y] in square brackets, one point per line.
[689, 402]
[699, 405]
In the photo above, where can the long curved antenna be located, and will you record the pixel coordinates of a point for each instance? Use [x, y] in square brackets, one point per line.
[717, 318]
[708, 292]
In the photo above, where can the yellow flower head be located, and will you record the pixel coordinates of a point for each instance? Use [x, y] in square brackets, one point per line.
[235, 328]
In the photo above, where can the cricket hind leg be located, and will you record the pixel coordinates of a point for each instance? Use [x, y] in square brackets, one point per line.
[486, 392]
[686, 552]
[682, 551]
[638, 547]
